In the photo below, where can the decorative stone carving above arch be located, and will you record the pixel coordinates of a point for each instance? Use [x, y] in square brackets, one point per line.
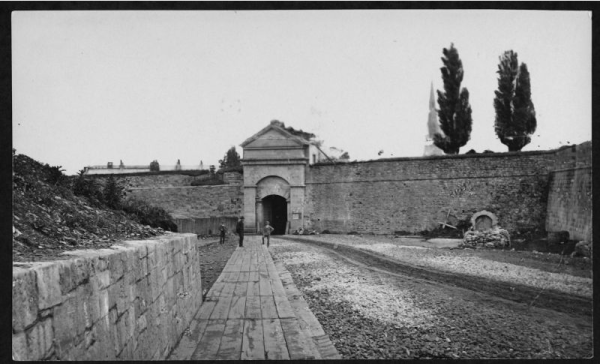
[484, 220]
[272, 185]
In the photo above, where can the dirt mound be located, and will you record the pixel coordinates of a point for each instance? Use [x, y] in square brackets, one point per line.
[49, 219]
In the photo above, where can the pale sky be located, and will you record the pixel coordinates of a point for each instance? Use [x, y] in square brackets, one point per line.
[91, 87]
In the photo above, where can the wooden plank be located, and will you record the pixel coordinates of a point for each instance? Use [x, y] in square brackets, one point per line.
[253, 289]
[284, 309]
[216, 289]
[253, 310]
[237, 308]
[265, 285]
[325, 347]
[230, 276]
[206, 310]
[277, 287]
[267, 307]
[221, 310]
[297, 343]
[244, 277]
[231, 343]
[240, 289]
[306, 319]
[208, 346]
[275, 347]
[247, 263]
[254, 276]
[188, 343]
[228, 289]
[253, 346]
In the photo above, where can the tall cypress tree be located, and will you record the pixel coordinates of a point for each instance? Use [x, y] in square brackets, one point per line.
[455, 110]
[515, 113]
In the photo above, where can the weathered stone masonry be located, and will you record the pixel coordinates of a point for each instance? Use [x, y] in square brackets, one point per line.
[415, 194]
[527, 190]
[130, 302]
[194, 201]
[570, 196]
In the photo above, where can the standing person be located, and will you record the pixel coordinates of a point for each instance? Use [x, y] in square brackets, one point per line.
[267, 233]
[239, 229]
[222, 233]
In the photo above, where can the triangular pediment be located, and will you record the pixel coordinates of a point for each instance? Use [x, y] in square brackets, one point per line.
[274, 136]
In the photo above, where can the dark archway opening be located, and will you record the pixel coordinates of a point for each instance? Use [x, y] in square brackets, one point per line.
[275, 211]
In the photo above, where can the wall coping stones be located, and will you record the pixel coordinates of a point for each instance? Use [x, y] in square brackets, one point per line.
[437, 157]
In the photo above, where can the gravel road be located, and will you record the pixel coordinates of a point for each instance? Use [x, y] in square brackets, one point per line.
[374, 315]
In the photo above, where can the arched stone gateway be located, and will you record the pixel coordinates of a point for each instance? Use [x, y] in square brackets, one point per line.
[272, 200]
[275, 163]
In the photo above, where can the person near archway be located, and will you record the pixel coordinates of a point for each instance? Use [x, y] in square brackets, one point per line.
[222, 233]
[267, 233]
[239, 229]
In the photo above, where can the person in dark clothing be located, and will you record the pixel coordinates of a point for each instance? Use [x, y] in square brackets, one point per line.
[239, 229]
[222, 234]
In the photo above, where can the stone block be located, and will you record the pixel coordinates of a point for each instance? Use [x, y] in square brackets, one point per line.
[142, 323]
[144, 295]
[154, 285]
[129, 259]
[72, 273]
[40, 339]
[162, 278]
[123, 329]
[20, 352]
[103, 303]
[115, 296]
[69, 323]
[90, 303]
[24, 298]
[101, 262]
[105, 339]
[48, 285]
[103, 279]
[115, 266]
[143, 268]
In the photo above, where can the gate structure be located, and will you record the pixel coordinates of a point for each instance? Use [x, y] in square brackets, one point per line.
[275, 163]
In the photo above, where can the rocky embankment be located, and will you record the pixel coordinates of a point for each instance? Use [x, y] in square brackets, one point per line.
[49, 219]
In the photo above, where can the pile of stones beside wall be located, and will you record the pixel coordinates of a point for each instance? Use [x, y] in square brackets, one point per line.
[130, 302]
[491, 238]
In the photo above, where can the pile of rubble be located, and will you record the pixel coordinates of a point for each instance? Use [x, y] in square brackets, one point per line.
[583, 248]
[490, 238]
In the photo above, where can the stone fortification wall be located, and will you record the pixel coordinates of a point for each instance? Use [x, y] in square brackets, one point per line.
[194, 201]
[174, 193]
[570, 196]
[415, 194]
[130, 302]
[206, 226]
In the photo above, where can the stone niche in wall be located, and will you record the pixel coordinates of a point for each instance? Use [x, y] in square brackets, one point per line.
[485, 232]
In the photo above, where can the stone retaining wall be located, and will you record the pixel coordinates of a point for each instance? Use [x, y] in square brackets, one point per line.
[130, 302]
[194, 201]
[206, 226]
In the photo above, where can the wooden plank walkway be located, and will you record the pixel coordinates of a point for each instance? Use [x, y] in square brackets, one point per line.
[251, 313]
